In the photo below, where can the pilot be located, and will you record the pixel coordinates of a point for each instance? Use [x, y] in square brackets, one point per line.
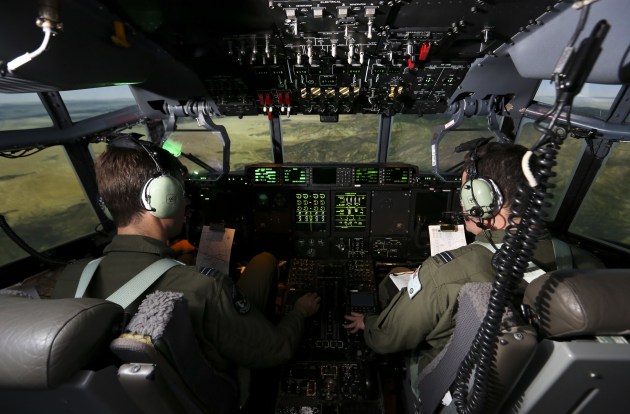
[420, 319]
[228, 318]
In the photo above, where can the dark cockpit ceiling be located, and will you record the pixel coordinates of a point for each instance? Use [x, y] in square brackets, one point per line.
[316, 57]
[186, 49]
[205, 34]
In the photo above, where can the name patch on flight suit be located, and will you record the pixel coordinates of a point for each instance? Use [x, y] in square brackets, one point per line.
[414, 286]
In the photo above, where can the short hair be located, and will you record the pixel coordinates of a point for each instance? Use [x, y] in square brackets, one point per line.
[122, 172]
[500, 162]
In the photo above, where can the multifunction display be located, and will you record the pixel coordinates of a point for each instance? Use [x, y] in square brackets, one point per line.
[295, 175]
[351, 211]
[396, 175]
[311, 212]
[366, 175]
[265, 175]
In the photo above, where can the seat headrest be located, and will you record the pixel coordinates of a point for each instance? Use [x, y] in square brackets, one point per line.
[45, 341]
[164, 316]
[572, 303]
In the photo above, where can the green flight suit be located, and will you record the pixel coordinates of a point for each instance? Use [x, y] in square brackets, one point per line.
[228, 339]
[421, 326]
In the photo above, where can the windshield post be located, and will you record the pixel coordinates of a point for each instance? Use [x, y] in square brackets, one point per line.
[275, 131]
[384, 137]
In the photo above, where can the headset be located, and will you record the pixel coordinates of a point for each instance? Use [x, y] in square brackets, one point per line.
[163, 194]
[480, 196]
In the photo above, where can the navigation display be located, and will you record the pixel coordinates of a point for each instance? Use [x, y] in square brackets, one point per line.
[311, 212]
[396, 175]
[265, 175]
[351, 211]
[366, 175]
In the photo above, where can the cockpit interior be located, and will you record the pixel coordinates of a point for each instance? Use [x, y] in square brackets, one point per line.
[324, 133]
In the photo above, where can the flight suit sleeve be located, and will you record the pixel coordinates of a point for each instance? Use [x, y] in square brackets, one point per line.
[406, 321]
[250, 340]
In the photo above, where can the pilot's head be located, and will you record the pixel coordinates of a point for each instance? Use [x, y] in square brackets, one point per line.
[135, 177]
[491, 175]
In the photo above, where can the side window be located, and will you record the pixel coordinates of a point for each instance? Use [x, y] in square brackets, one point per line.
[471, 128]
[87, 103]
[605, 212]
[43, 202]
[567, 160]
[594, 99]
[22, 111]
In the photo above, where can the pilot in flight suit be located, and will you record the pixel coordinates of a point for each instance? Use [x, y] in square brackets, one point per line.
[230, 325]
[428, 318]
[420, 319]
[228, 320]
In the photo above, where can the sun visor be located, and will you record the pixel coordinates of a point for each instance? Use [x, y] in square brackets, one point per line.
[536, 53]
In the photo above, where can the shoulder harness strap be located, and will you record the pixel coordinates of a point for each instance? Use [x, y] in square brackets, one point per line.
[86, 277]
[562, 253]
[130, 291]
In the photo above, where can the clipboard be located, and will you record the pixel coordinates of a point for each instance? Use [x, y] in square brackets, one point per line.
[215, 248]
[445, 237]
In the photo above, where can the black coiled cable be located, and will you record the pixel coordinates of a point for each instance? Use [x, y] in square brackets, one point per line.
[24, 246]
[526, 223]
[509, 263]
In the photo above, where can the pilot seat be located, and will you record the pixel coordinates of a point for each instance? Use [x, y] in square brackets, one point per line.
[68, 356]
[573, 356]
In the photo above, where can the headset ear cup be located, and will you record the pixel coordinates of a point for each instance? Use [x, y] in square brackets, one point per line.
[481, 198]
[162, 196]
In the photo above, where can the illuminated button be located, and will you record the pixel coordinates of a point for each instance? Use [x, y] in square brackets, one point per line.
[318, 12]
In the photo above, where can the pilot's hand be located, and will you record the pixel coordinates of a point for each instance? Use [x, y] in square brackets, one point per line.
[308, 304]
[356, 322]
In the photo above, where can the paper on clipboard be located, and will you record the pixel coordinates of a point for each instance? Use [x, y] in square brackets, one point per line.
[215, 248]
[443, 240]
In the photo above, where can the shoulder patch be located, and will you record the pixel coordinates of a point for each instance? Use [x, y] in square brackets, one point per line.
[241, 304]
[209, 271]
[443, 257]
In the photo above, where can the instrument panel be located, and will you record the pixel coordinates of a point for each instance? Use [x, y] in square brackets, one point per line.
[331, 211]
[337, 226]
[333, 370]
